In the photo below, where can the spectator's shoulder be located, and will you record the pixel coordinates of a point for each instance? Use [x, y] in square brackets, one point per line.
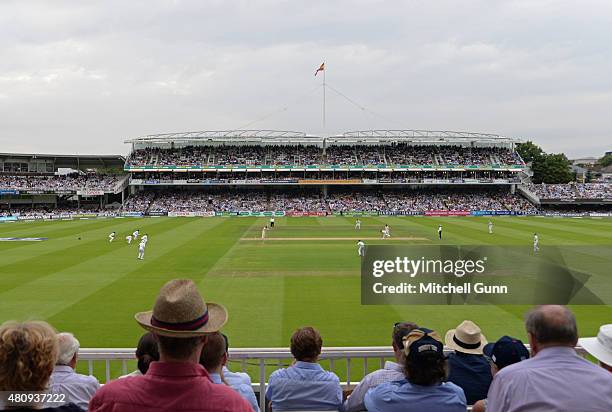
[333, 377]
[279, 373]
[114, 389]
[457, 389]
[92, 380]
[383, 388]
[515, 369]
[232, 397]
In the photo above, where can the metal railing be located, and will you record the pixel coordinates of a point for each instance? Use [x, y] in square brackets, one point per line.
[257, 362]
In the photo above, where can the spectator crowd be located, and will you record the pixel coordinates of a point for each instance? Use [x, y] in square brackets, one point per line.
[310, 155]
[68, 183]
[572, 191]
[183, 357]
[345, 201]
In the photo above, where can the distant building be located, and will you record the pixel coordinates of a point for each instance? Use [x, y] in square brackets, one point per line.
[581, 173]
[606, 174]
[589, 161]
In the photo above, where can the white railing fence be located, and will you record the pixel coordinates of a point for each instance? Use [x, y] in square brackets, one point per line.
[346, 362]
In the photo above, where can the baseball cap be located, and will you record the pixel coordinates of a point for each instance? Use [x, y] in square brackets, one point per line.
[506, 351]
[420, 344]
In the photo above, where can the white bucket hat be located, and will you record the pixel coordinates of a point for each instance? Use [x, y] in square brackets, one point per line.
[600, 346]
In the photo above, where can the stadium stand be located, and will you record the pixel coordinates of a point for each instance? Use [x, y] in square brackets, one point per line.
[308, 155]
[572, 191]
[254, 172]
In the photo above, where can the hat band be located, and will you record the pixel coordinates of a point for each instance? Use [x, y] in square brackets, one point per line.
[191, 325]
[466, 345]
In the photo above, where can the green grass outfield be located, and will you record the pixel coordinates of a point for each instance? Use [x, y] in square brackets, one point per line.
[93, 288]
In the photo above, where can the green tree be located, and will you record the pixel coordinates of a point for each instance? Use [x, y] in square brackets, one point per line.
[605, 161]
[529, 151]
[551, 168]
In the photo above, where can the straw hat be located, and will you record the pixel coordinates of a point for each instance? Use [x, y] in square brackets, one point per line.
[467, 338]
[600, 347]
[180, 312]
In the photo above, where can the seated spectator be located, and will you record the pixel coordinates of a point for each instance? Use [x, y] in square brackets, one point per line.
[506, 351]
[28, 353]
[304, 385]
[146, 352]
[393, 371]
[468, 368]
[600, 347]
[78, 388]
[555, 378]
[423, 388]
[214, 358]
[180, 321]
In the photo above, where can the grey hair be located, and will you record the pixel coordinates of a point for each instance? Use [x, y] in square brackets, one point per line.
[68, 347]
[552, 324]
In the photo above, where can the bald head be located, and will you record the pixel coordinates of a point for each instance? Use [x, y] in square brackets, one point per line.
[552, 325]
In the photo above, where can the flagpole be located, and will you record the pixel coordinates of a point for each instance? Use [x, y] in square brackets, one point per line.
[324, 96]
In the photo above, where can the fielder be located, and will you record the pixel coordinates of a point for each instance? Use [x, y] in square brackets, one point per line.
[536, 243]
[141, 250]
[135, 234]
[490, 227]
[144, 238]
[361, 248]
[386, 232]
[111, 237]
[264, 231]
[440, 232]
[129, 239]
[358, 224]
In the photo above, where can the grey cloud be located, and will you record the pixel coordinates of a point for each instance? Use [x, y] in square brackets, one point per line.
[81, 76]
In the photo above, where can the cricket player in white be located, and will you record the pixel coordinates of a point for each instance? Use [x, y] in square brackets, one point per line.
[129, 239]
[386, 232]
[440, 231]
[361, 248]
[490, 227]
[263, 232]
[536, 242]
[145, 238]
[135, 234]
[111, 237]
[141, 249]
[358, 224]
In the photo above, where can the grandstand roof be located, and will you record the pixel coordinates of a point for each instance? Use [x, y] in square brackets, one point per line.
[72, 161]
[351, 137]
[425, 136]
[242, 136]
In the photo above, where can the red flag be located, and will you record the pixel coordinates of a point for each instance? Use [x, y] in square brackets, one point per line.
[321, 68]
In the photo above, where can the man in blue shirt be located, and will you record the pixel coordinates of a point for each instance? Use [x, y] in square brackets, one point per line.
[214, 357]
[424, 388]
[305, 385]
[468, 368]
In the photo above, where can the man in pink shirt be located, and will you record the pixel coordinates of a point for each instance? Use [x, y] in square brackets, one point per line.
[180, 321]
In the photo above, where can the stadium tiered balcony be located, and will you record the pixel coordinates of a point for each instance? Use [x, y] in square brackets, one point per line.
[266, 151]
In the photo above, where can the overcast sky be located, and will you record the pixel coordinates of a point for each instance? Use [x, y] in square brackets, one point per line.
[83, 76]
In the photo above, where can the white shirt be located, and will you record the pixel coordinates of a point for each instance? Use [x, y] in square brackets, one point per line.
[392, 372]
[145, 238]
[439, 228]
[79, 389]
[535, 239]
[360, 244]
